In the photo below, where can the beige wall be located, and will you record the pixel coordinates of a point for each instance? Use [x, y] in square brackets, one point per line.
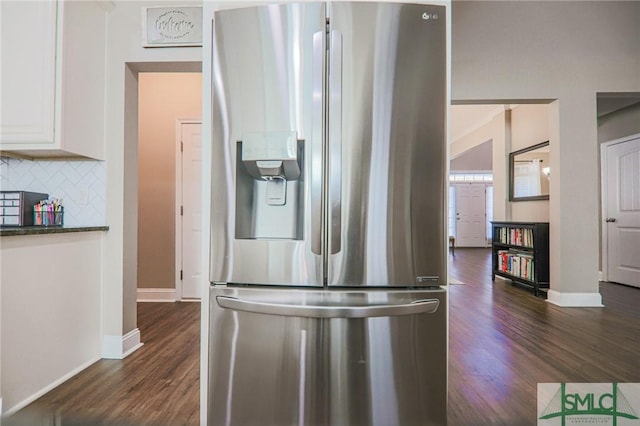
[496, 130]
[522, 126]
[565, 52]
[529, 126]
[163, 98]
[125, 57]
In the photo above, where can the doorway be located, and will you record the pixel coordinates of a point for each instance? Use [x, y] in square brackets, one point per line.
[621, 210]
[470, 212]
[163, 98]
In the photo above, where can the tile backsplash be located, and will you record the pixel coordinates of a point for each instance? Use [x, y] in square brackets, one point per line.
[81, 185]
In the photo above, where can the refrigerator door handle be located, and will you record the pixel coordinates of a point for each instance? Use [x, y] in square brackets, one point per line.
[335, 141]
[317, 83]
[424, 306]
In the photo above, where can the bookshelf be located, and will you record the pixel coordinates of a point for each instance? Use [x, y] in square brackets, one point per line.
[520, 252]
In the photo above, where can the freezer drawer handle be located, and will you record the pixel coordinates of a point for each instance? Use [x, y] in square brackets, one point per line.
[427, 306]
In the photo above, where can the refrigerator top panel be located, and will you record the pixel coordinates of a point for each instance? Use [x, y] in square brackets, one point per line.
[329, 155]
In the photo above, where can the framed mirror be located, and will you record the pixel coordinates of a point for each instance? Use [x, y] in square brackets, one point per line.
[529, 173]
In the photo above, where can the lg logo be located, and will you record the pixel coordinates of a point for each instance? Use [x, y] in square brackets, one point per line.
[427, 16]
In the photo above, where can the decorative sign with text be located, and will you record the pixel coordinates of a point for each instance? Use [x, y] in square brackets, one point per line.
[172, 26]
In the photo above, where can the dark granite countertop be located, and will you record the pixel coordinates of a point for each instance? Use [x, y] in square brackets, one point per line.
[39, 230]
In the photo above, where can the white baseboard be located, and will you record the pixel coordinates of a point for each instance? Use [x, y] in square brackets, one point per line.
[120, 347]
[575, 300]
[156, 295]
[47, 388]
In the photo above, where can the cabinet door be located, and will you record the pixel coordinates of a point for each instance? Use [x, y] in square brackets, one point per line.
[28, 46]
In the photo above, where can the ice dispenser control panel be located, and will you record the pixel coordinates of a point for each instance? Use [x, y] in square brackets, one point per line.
[273, 157]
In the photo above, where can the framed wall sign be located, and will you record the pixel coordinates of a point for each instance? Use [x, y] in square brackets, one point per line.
[172, 26]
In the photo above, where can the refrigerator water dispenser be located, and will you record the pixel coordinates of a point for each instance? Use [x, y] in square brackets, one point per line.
[269, 186]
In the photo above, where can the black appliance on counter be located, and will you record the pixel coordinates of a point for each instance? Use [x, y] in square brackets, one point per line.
[16, 207]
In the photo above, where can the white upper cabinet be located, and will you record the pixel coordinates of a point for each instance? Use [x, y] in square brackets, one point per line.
[53, 78]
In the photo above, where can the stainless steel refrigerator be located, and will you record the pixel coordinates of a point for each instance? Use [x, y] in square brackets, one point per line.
[328, 302]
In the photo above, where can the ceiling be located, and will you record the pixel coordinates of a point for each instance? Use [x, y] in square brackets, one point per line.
[464, 119]
[611, 102]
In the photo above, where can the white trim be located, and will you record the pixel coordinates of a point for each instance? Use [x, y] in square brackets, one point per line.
[178, 216]
[575, 300]
[604, 240]
[48, 388]
[621, 140]
[120, 347]
[131, 342]
[157, 295]
[604, 168]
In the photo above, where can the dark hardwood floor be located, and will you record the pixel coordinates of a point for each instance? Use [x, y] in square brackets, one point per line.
[157, 384]
[503, 342]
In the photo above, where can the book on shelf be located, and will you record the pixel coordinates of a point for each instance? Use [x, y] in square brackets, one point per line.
[515, 236]
[515, 263]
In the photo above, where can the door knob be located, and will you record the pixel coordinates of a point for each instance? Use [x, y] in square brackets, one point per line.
[610, 219]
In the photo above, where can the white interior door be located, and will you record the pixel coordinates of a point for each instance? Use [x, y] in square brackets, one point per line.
[470, 215]
[622, 211]
[191, 211]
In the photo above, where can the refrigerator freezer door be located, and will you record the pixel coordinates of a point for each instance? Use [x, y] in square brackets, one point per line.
[268, 68]
[314, 357]
[387, 163]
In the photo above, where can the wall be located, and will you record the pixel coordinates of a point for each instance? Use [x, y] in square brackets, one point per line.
[618, 124]
[563, 52]
[125, 58]
[476, 159]
[529, 126]
[518, 127]
[164, 97]
[497, 131]
[81, 185]
[60, 332]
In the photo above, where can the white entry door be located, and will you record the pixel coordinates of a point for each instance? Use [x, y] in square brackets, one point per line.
[190, 213]
[470, 215]
[621, 164]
